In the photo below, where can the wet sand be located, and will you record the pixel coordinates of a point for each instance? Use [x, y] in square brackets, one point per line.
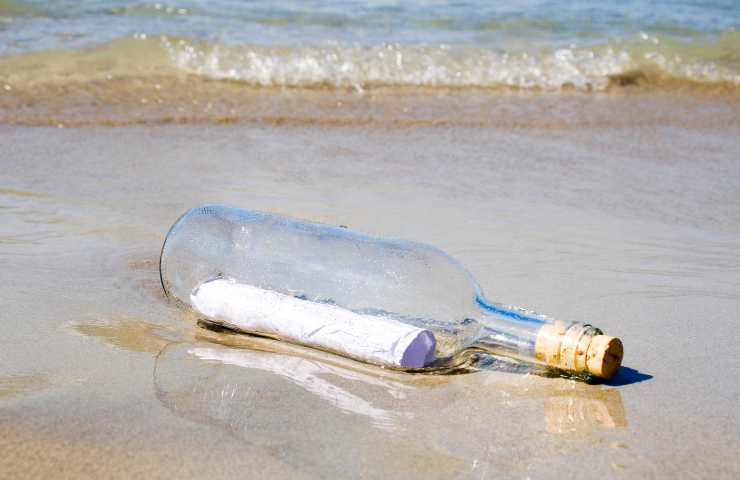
[630, 226]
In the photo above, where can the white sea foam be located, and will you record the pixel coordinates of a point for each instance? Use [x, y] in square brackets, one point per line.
[652, 60]
[359, 67]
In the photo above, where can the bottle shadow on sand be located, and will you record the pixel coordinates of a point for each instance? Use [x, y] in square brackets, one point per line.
[627, 376]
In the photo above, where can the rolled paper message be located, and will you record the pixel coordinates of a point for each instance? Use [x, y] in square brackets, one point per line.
[371, 338]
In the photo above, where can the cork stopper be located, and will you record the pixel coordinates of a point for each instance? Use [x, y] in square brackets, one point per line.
[579, 348]
[604, 356]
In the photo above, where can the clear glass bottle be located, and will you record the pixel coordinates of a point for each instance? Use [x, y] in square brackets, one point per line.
[308, 264]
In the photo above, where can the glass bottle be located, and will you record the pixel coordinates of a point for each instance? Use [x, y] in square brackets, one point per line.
[282, 277]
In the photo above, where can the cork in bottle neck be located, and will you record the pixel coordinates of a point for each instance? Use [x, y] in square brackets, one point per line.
[579, 348]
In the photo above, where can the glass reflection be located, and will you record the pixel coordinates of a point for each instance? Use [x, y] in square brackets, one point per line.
[299, 404]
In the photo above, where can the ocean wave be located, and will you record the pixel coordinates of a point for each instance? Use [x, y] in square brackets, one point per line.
[645, 60]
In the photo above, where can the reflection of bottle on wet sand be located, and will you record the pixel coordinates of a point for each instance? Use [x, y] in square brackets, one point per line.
[311, 377]
[305, 403]
[290, 409]
[574, 413]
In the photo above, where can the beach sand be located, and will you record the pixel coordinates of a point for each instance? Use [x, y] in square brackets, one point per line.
[615, 209]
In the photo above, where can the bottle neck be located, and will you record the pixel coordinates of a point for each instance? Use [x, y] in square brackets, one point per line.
[534, 338]
[508, 330]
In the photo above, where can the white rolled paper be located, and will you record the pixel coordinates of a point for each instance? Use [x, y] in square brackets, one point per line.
[372, 338]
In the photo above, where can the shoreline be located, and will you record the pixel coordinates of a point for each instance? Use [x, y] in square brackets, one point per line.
[129, 103]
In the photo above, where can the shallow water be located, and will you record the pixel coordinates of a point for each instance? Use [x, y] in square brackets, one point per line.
[632, 228]
[520, 23]
[335, 44]
[387, 63]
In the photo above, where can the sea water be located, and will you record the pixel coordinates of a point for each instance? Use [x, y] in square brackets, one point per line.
[523, 44]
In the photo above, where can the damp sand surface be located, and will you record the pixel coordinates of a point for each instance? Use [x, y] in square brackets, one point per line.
[629, 225]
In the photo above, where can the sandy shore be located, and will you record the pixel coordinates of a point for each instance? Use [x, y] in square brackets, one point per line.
[629, 225]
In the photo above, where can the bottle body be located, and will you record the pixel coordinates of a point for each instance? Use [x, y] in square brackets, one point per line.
[336, 268]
